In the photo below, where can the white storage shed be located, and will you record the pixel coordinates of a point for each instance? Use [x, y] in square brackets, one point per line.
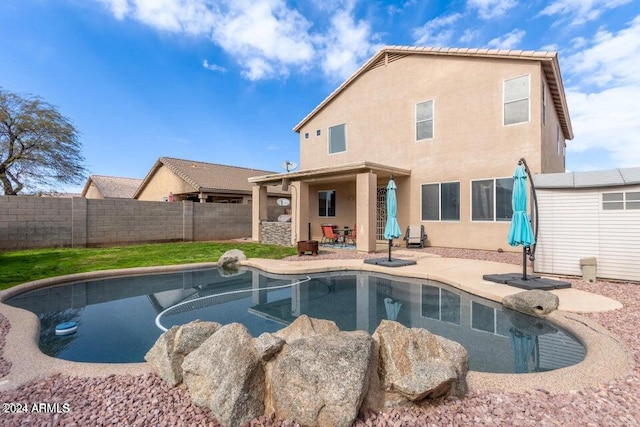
[589, 214]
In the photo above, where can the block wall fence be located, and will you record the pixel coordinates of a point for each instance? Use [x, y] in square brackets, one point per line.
[28, 222]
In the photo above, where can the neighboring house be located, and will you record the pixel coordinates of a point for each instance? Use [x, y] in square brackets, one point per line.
[449, 124]
[177, 180]
[110, 187]
[589, 214]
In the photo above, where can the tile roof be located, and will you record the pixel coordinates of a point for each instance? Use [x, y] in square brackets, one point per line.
[113, 186]
[589, 179]
[211, 177]
[548, 60]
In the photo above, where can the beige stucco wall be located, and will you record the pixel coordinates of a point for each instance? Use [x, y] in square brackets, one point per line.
[470, 140]
[163, 182]
[345, 207]
[93, 192]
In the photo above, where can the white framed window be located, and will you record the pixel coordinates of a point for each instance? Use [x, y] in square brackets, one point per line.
[306, 135]
[440, 201]
[440, 304]
[488, 319]
[424, 120]
[621, 201]
[338, 138]
[327, 203]
[516, 100]
[559, 141]
[544, 104]
[491, 199]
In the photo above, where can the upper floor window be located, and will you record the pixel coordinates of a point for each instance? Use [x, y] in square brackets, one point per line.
[544, 104]
[327, 203]
[440, 304]
[441, 202]
[559, 141]
[516, 100]
[621, 201]
[491, 199]
[338, 138]
[424, 120]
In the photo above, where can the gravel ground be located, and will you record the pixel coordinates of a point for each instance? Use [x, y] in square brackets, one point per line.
[146, 400]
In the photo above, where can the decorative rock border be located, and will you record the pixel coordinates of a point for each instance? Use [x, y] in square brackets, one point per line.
[309, 371]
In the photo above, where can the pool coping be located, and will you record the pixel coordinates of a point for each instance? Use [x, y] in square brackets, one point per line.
[607, 357]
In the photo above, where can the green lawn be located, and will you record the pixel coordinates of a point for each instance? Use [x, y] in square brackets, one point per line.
[23, 266]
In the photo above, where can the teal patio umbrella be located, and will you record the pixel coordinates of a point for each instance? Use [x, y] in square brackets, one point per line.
[392, 228]
[520, 232]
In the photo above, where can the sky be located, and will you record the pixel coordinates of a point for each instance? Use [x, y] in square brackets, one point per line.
[226, 81]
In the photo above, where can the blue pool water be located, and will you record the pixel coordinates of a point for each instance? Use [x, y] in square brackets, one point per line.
[116, 317]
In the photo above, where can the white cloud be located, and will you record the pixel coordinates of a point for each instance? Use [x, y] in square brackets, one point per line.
[488, 9]
[507, 41]
[607, 120]
[437, 32]
[213, 67]
[119, 8]
[468, 36]
[580, 11]
[553, 47]
[604, 108]
[347, 44]
[266, 38]
[611, 58]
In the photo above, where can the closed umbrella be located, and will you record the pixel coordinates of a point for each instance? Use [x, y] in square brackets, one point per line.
[520, 232]
[392, 228]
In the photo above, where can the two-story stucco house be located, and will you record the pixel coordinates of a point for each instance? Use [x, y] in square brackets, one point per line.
[449, 124]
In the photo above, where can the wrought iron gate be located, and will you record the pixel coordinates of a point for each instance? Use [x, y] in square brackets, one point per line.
[381, 212]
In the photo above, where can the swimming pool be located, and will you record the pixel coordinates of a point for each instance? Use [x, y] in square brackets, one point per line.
[116, 317]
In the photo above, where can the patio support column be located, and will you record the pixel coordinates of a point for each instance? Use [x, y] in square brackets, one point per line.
[258, 209]
[299, 211]
[365, 304]
[366, 184]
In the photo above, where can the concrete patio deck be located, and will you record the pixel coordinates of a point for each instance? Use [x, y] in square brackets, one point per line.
[606, 356]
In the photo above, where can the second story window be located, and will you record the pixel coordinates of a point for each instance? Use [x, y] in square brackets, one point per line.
[424, 120]
[516, 100]
[338, 138]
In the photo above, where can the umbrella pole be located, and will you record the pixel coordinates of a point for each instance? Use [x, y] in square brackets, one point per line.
[389, 250]
[524, 263]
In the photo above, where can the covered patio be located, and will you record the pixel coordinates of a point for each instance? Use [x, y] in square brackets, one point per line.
[348, 195]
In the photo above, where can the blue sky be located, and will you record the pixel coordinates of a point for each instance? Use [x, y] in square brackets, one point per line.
[225, 81]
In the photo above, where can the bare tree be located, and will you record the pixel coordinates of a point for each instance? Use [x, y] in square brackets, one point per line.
[38, 145]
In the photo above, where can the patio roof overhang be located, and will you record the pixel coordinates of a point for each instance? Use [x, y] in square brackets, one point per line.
[336, 171]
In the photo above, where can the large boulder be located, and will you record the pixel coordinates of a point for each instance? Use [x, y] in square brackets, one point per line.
[168, 353]
[305, 326]
[225, 374]
[416, 364]
[535, 302]
[321, 380]
[229, 261]
[268, 345]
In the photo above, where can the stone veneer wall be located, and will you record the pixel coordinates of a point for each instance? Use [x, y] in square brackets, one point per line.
[275, 233]
[38, 222]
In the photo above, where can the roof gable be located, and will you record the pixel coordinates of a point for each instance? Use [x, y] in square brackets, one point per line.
[113, 186]
[548, 60]
[209, 177]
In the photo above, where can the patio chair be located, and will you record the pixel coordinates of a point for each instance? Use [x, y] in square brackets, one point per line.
[328, 235]
[352, 235]
[415, 236]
